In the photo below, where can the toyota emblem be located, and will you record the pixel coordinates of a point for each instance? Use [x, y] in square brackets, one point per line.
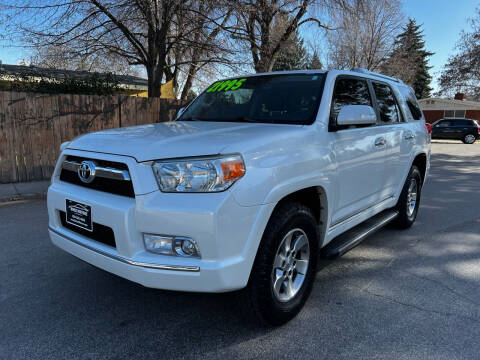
[86, 171]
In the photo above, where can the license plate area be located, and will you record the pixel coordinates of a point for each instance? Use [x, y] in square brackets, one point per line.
[79, 215]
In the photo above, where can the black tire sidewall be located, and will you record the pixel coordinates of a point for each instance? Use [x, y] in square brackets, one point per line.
[403, 220]
[269, 308]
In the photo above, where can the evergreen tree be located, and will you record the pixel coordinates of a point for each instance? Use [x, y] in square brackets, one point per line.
[315, 62]
[409, 60]
[292, 56]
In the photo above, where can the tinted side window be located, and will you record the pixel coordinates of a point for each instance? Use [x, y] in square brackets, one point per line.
[444, 123]
[349, 91]
[387, 105]
[464, 123]
[412, 102]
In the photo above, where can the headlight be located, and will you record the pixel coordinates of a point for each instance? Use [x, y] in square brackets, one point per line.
[210, 174]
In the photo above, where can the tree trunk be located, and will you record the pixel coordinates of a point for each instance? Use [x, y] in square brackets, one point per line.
[188, 83]
[154, 74]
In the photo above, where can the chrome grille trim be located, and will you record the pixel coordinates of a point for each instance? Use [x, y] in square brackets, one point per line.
[104, 172]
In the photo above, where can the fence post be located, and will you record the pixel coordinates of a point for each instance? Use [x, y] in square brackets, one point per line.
[119, 110]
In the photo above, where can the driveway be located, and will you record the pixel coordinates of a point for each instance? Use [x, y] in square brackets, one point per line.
[411, 294]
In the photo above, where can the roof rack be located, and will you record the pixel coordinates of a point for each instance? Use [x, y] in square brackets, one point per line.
[373, 73]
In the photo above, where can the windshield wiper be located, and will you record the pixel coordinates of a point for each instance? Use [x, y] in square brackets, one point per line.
[245, 119]
[190, 118]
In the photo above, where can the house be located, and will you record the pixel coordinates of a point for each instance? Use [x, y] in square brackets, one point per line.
[458, 107]
[126, 84]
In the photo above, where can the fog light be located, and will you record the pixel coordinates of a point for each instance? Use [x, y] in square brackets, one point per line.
[159, 244]
[171, 245]
[186, 247]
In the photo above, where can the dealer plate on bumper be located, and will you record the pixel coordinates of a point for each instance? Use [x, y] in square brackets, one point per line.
[79, 215]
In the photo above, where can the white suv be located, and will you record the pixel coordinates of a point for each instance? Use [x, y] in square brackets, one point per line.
[256, 178]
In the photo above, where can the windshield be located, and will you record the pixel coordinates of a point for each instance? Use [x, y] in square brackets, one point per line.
[279, 99]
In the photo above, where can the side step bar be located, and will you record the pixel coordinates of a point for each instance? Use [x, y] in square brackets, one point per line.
[348, 240]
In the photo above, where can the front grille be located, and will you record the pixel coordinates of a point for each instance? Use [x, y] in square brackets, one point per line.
[113, 186]
[100, 233]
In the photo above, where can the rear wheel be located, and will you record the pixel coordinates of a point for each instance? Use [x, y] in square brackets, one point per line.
[469, 139]
[409, 199]
[284, 268]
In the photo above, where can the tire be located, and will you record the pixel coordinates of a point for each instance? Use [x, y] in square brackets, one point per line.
[261, 298]
[469, 139]
[407, 213]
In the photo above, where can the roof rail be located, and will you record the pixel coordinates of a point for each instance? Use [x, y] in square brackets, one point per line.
[373, 73]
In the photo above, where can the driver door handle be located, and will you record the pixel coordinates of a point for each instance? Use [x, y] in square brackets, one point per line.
[380, 141]
[409, 135]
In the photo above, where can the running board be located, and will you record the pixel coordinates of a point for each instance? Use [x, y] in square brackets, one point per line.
[348, 240]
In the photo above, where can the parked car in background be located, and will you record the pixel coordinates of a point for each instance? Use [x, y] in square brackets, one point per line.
[256, 178]
[466, 130]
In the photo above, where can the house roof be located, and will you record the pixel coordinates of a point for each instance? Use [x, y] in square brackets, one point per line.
[442, 104]
[12, 70]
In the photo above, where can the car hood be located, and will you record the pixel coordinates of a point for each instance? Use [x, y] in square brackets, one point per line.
[175, 139]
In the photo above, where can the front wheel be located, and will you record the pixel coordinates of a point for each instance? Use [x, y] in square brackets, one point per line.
[409, 199]
[284, 268]
[469, 139]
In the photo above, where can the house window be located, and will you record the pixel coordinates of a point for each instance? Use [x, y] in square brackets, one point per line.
[454, 114]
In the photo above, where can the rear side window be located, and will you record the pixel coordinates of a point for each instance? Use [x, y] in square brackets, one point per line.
[349, 91]
[444, 123]
[387, 105]
[412, 102]
[462, 123]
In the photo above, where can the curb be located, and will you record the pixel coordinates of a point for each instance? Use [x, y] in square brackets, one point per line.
[19, 197]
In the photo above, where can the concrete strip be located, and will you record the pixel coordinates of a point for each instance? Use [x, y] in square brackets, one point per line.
[22, 191]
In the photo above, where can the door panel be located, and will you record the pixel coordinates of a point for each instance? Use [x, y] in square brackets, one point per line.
[402, 140]
[390, 119]
[360, 170]
[442, 130]
[360, 153]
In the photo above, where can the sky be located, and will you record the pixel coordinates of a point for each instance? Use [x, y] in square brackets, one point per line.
[442, 22]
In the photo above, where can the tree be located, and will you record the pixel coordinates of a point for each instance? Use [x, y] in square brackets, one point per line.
[462, 70]
[292, 55]
[141, 32]
[255, 22]
[409, 60]
[364, 32]
[60, 57]
[210, 35]
[315, 62]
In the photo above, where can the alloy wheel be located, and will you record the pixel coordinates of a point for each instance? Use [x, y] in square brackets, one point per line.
[290, 265]
[412, 197]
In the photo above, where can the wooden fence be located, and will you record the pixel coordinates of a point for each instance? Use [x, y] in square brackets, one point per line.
[32, 126]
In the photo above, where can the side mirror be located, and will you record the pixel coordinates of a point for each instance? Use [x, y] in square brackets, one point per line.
[180, 112]
[356, 115]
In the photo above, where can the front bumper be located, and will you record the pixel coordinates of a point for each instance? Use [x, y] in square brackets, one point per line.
[227, 234]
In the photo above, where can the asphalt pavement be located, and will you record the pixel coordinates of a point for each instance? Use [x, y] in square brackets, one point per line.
[412, 294]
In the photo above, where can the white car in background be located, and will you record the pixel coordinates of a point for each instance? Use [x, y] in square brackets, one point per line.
[256, 178]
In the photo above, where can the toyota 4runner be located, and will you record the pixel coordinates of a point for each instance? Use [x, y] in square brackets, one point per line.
[257, 177]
